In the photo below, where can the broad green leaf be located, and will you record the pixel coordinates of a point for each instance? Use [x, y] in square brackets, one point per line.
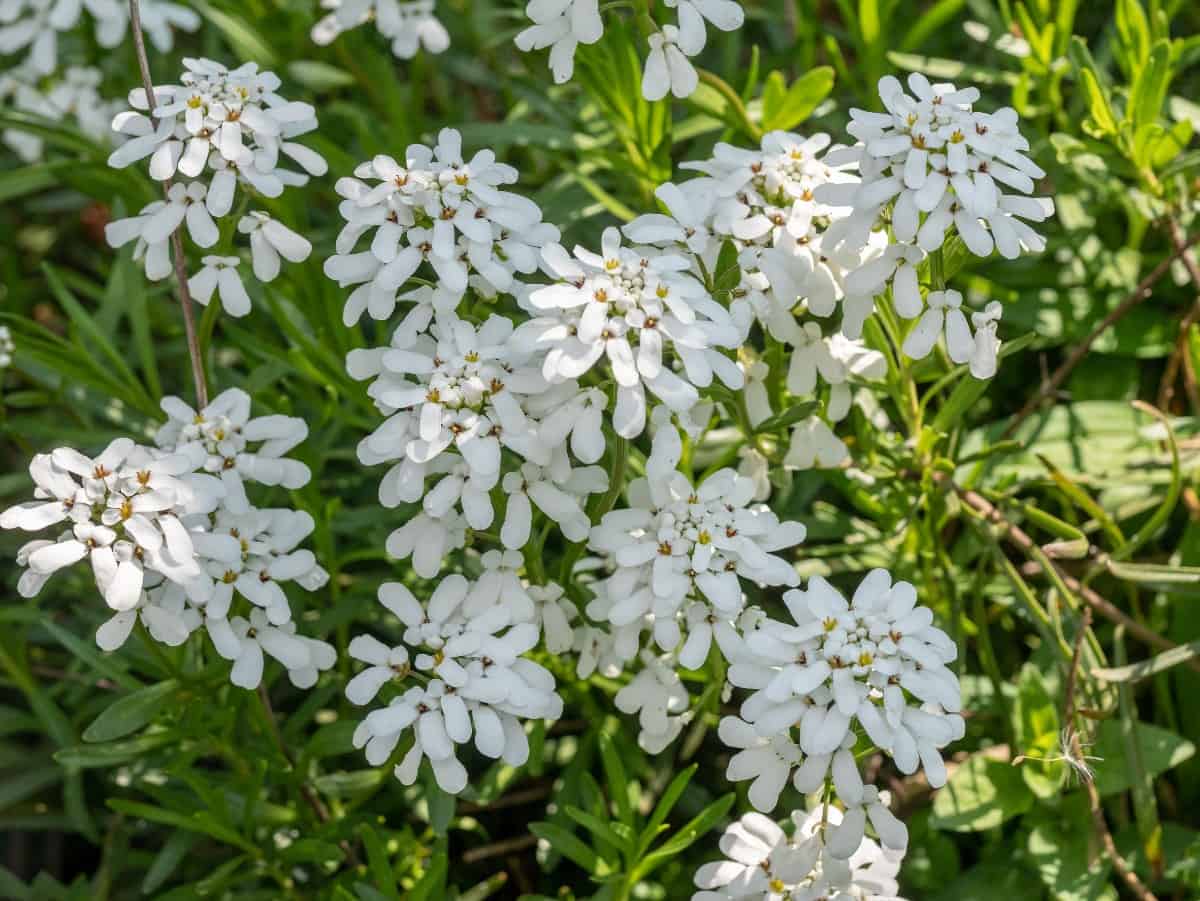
[981, 794]
[1161, 750]
[1060, 847]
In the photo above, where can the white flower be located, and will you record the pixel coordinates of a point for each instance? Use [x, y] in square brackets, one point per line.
[877, 660]
[767, 760]
[408, 25]
[385, 664]
[36, 24]
[944, 311]
[162, 610]
[561, 25]
[667, 67]
[676, 543]
[122, 510]
[690, 206]
[219, 274]
[481, 685]
[256, 636]
[723, 14]
[557, 490]
[987, 345]
[217, 440]
[633, 307]
[252, 552]
[765, 865]
[433, 207]
[428, 540]
[657, 695]
[230, 121]
[270, 240]
[554, 611]
[7, 347]
[158, 221]
[939, 163]
[72, 97]
[815, 444]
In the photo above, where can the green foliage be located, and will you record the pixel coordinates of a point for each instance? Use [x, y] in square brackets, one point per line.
[144, 774]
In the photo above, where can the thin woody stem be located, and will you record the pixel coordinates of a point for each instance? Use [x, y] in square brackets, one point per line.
[1095, 807]
[185, 296]
[306, 791]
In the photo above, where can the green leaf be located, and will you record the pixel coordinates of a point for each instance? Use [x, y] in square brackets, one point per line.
[196, 822]
[664, 807]
[687, 834]
[246, 41]
[1135, 672]
[981, 794]
[130, 713]
[598, 828]
[788, 417]
[18, 183]
[1161, 750]
[318, 76]
[567, 845]
[1035, 725]
[786, 111]
[618, 783]
[1150, 86]
[377, 860]
[1098, 104]
[173, 852]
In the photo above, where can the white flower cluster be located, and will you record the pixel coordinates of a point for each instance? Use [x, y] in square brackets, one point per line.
[72, 96]
[36, 25]
[409, 24]
[816, 864]
[876, 663]
[7, 347]
[932, 166]
[468, 644]
[233, 124]
[468, 408]
[172, 538]
[678, 555]
[642, 310]
[434, 208]
[562, 25]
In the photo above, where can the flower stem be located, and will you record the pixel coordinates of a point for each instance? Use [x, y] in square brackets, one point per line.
[185, 296]
[736, 106]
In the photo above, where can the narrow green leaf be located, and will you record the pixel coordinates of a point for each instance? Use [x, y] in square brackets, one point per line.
[130, 713]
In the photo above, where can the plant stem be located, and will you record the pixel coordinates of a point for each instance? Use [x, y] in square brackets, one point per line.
[185, 296]
[736, 106]
[311, 797]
